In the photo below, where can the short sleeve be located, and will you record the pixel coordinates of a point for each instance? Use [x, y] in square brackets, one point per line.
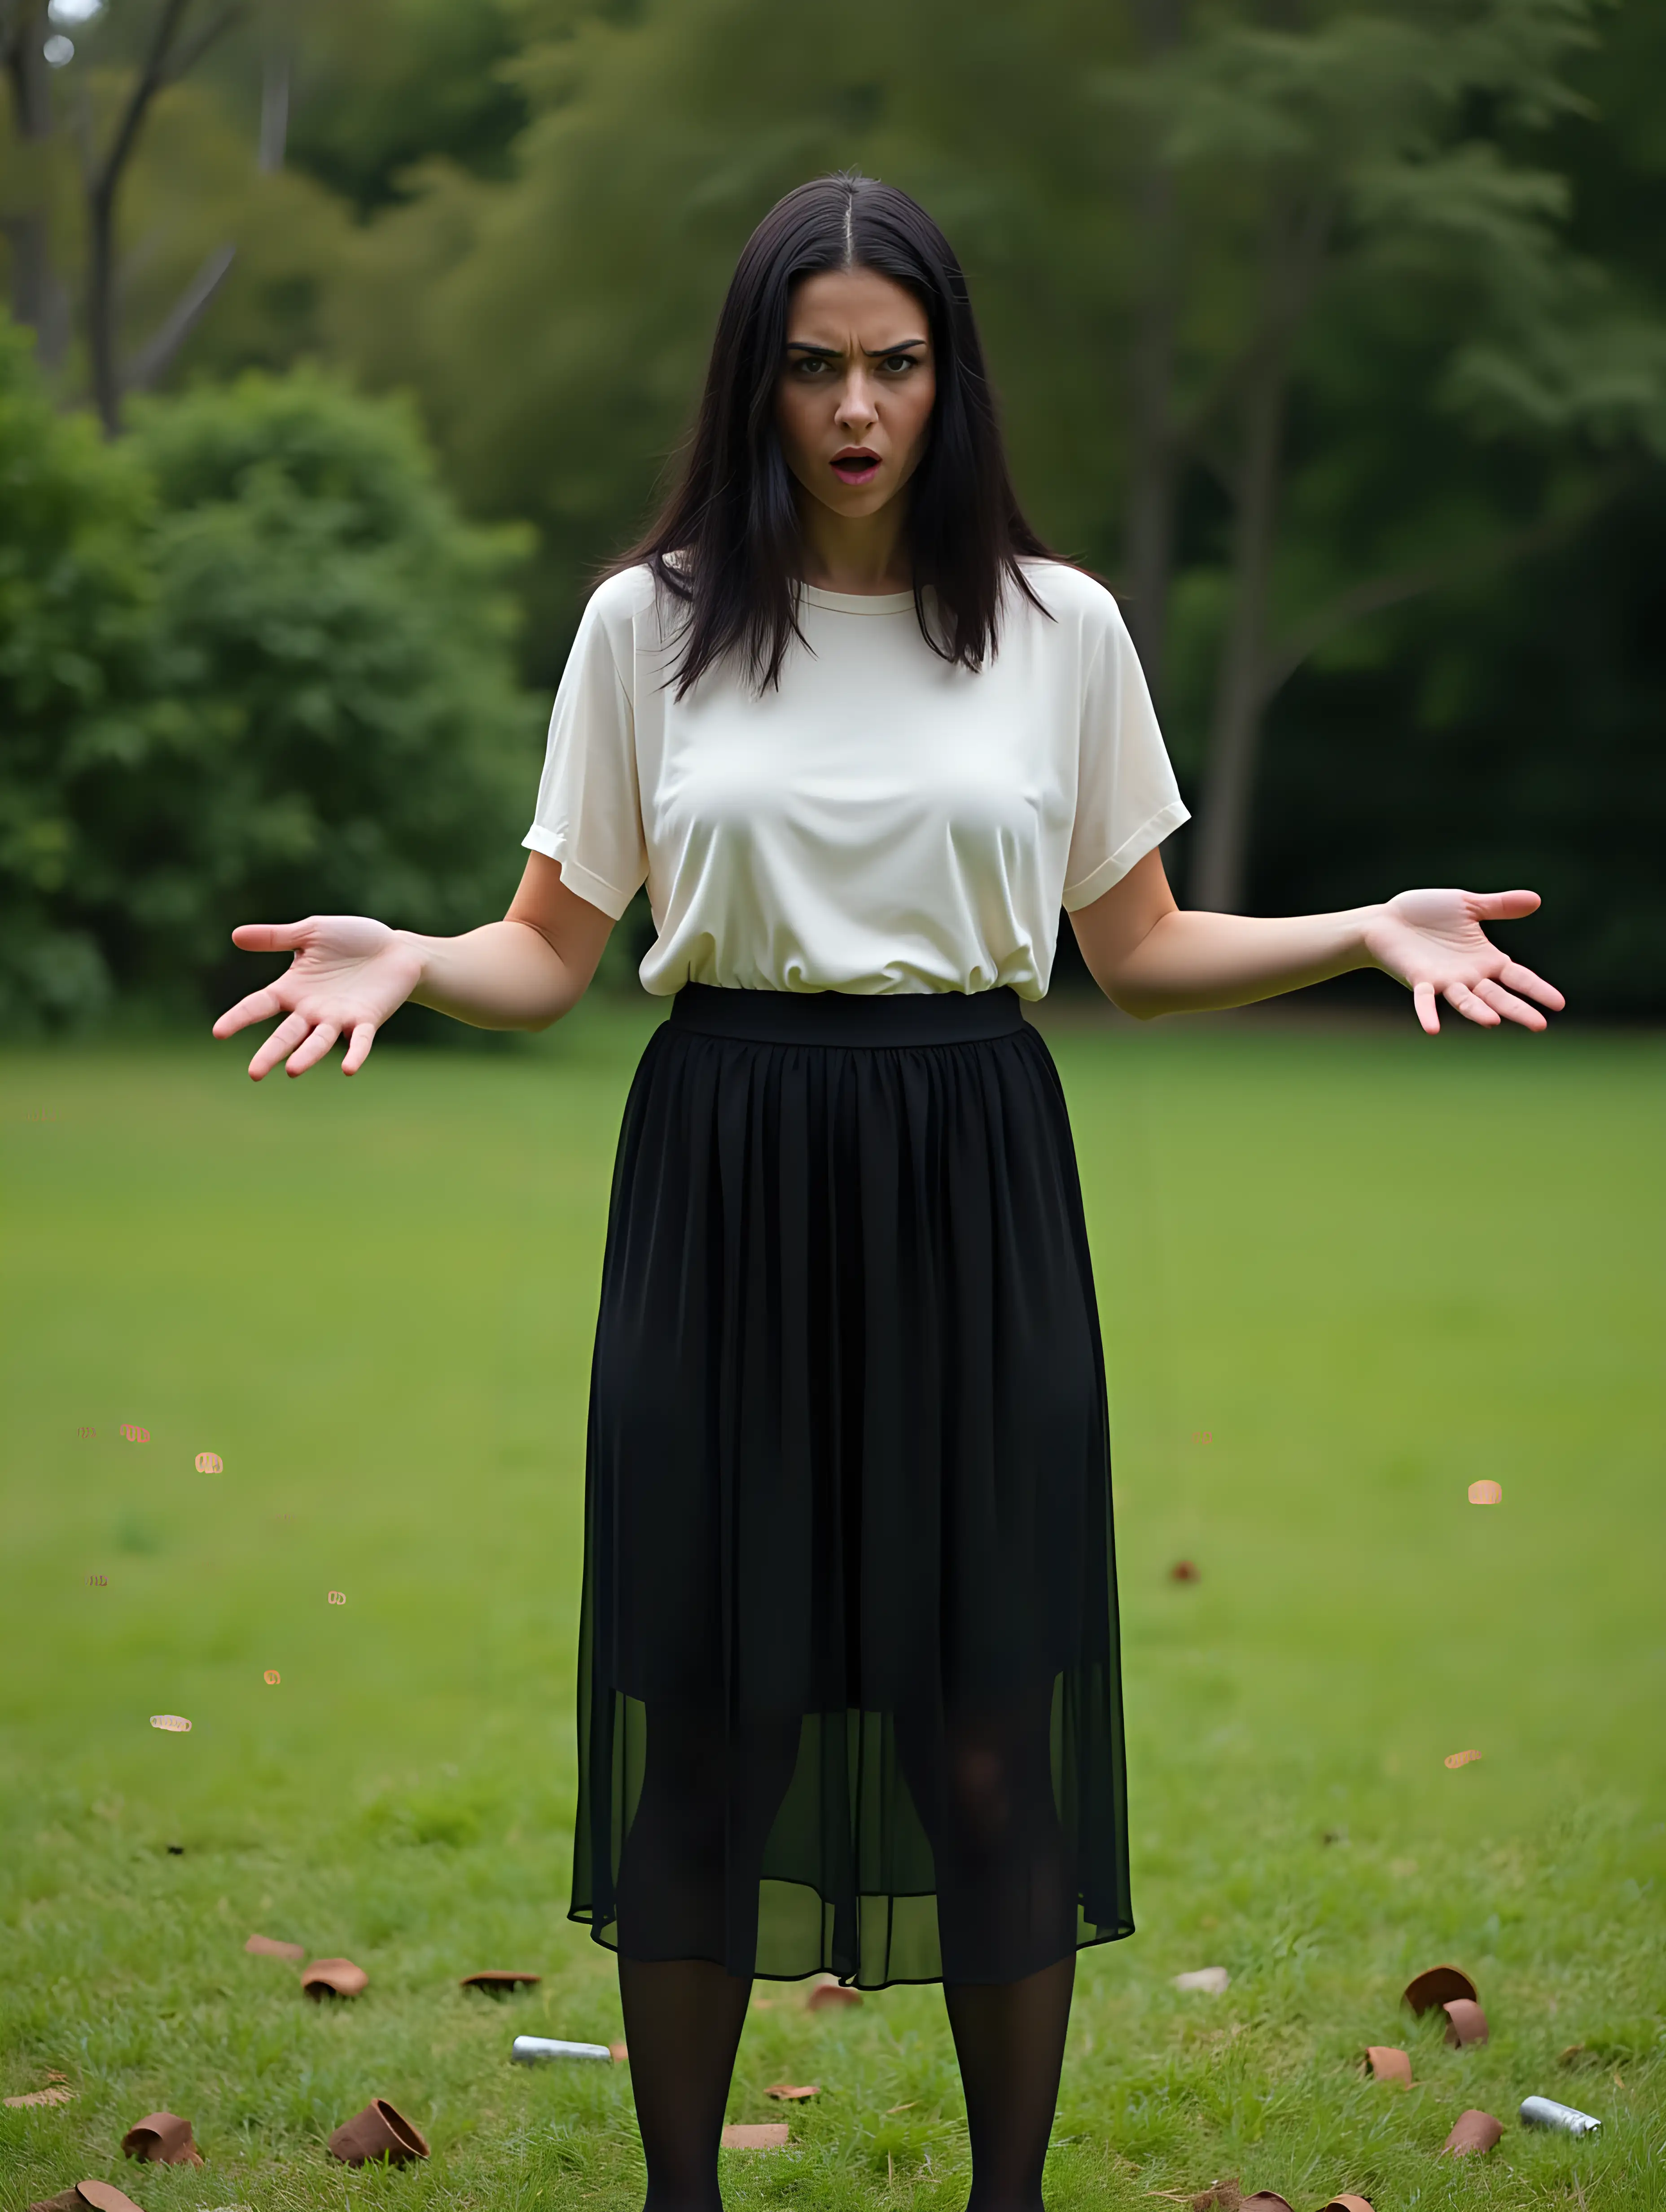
[1127, 798]
[588, 815]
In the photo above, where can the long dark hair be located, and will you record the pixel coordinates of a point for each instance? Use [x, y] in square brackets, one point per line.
[727, 543]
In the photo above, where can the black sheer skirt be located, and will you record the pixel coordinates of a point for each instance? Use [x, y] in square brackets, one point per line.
[849, 1698]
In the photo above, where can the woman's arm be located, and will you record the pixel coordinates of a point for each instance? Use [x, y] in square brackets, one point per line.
[350, 973]
[1151, 958]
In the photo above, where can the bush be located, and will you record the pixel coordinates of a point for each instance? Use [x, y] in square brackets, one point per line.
[290, 692]
[76, 635]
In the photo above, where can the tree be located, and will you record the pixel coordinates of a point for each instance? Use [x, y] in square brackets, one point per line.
[1340, 171]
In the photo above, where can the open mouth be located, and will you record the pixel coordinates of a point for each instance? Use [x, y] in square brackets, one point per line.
[856, 466]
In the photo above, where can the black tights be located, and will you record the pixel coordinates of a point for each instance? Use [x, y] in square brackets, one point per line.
[689, 1880]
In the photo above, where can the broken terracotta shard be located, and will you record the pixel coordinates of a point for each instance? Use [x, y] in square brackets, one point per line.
[784, 2091]
[827, 1994]
[1437, 1985]
[377, 2132]
[495, 1978]
[1384, 2063]
[161, 2139]
[42, 2097]
[1184, 1570]
[334, 1977]
[268, 1947]
[1265, 2200]
[1218, 2196]
[1473, 2131]
[619, 2053]
[1465, 2021]
[1347, 2203]
[104, 2197]
[767, 2135]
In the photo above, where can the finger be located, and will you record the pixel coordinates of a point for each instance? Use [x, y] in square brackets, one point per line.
[1507, 1004]
[259, 1007]
[1460, 997]
[316, 1046]
[270, 936]
[283, 1039]
[358, 1048]
[1423, 1000]
[1518, 978]
[1502, 906]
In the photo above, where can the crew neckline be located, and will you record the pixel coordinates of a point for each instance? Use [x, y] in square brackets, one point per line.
[858, 603]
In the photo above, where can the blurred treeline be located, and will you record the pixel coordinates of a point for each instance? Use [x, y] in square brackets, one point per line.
[354, 335]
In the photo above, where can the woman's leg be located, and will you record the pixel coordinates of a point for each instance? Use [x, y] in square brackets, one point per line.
[688, 1888]
[982, 1782]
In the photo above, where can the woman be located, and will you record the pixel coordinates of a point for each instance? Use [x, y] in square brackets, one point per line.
[848, 1696]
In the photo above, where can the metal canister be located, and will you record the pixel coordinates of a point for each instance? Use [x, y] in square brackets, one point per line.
[1546, 2113]
[529, 2049]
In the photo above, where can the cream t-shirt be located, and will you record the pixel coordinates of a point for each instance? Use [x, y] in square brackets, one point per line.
[883, 822]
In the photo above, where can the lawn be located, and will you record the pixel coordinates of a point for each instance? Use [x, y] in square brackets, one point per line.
[1343, 1273]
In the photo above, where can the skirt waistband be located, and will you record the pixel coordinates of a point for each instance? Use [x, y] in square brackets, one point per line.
[844, 1018]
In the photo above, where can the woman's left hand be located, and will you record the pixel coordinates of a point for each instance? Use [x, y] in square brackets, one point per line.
[1434, 942]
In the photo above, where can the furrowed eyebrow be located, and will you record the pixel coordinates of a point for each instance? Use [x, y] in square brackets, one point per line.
[874, 353]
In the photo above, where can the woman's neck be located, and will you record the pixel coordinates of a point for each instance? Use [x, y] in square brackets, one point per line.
[863, 556]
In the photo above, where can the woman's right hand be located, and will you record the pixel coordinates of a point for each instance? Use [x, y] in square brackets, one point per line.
[348, 974]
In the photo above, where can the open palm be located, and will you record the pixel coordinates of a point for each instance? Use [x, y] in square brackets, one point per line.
[1433, 941]
[348, 974]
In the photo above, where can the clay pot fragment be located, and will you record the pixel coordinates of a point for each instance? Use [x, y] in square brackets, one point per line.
[1472, 2130]
[377, 2132]
[785, 2090]
[497, 1980]
[42, 2097]
[1346, 2203]
[619, 2053]
[1384, 2063]
[1265, 2200]
[1184, 1570]
[1219, 2197]
[334, 1977]
[268, 1947]
[102, 2195]
[161, 2139]
[1465, 2021]
[767, 2135]
[1437, 1985]
[827, 1994]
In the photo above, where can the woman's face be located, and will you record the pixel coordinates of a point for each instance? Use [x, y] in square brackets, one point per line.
[854, 404]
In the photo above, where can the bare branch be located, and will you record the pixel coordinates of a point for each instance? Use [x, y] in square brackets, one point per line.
[186, 60]
[152, 77]
[1395, 587]
[153, 359]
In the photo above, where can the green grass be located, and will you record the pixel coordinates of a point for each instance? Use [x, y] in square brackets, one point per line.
[1370, 1268]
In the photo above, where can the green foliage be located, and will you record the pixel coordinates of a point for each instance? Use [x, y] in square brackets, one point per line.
[294, 693]
[74, 630]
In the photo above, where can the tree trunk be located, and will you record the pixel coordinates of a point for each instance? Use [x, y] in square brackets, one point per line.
[1236, 724]
[102, 315]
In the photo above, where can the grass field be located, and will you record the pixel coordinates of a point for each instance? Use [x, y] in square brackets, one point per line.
[1343, 1274]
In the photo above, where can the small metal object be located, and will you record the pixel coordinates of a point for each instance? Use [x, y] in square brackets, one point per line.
[529, 2049]
[1546, 2113]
